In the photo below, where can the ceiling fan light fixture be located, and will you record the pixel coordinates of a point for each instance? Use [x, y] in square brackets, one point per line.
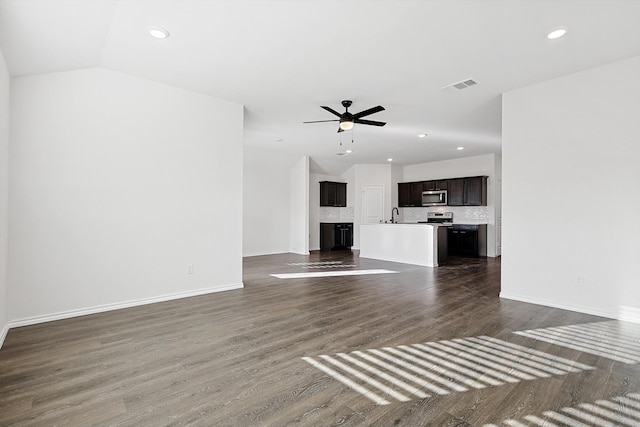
[346, 125]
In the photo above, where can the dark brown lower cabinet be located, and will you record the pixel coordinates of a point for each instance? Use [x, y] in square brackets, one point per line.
[467, 240]
[336, 235]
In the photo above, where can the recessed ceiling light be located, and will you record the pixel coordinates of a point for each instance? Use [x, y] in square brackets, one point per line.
[389, 159]
[460, 148]
[349, 151]
[158, 32]
[422, 135]
[557, 33]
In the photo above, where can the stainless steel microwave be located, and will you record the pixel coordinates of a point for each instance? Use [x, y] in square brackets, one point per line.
[434, 198]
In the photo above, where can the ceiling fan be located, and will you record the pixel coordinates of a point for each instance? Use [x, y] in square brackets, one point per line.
[347, 120]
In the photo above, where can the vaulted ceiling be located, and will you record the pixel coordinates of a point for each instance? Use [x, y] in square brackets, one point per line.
[284, 59]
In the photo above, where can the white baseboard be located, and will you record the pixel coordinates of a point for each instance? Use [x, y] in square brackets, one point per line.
[3, 334]
[625, 313]
[117, 306]
[252, 254]
[249, 255]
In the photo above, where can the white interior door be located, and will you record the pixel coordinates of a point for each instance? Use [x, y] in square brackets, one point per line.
[372, 204]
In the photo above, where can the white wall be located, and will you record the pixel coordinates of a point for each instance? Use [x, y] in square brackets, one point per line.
[397, 173]
[455, 168]
[267, 193]
[4, 194]
[116, 184]
[314, 208]
[299, 228]
[571, 192]
[487, 165]
[497, 188]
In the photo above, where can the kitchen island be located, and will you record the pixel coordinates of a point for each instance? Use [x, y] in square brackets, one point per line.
[419, 244]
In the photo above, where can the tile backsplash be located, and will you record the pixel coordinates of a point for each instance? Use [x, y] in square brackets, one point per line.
[461, 214]
[332, 214]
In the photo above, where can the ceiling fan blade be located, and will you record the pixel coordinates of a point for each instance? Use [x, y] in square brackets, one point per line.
[369, 111]
[331, 110]
[340, 129]
[322, 121]
[369, 122]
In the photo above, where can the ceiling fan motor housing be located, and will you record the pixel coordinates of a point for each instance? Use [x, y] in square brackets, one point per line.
[346, 116]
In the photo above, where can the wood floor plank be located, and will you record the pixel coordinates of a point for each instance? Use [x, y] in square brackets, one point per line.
[236, 358]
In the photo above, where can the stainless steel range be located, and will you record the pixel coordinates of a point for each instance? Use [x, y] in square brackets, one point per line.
[444, 218]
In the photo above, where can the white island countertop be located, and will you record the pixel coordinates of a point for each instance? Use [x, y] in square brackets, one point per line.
[407, 243]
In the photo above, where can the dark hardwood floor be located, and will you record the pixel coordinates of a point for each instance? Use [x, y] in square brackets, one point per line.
[420, 346]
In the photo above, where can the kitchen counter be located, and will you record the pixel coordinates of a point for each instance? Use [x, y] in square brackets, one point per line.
[418, 244]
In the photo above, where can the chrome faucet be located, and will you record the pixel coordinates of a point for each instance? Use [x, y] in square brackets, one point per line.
[393, 221]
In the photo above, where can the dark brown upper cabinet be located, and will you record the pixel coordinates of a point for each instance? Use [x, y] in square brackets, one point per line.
[475, 191]
[455, 192]
[416, 193]
[470, 191]
[333, 194]
[404, 194]
[410, 194]
[436, 185]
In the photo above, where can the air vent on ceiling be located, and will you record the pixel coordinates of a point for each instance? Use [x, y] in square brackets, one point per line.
[460, 85]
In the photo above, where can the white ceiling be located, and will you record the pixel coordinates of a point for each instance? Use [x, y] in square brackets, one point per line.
[284, 59]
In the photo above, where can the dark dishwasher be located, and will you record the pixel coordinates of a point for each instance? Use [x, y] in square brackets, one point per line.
[468, 240]
[336, 235]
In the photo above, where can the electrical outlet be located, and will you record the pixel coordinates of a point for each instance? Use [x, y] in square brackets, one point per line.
[189, 268]
[580, 281]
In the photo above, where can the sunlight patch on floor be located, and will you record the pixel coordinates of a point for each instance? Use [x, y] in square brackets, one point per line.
[331, 273]
[320, 264]
[617, 411]
[606, 339]
[406, 372]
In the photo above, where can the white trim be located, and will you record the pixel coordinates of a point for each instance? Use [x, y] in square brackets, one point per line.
[117, 306]
[626, 314]
[301, 253]
[249, 255]
[3, 334]
[252, 254]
